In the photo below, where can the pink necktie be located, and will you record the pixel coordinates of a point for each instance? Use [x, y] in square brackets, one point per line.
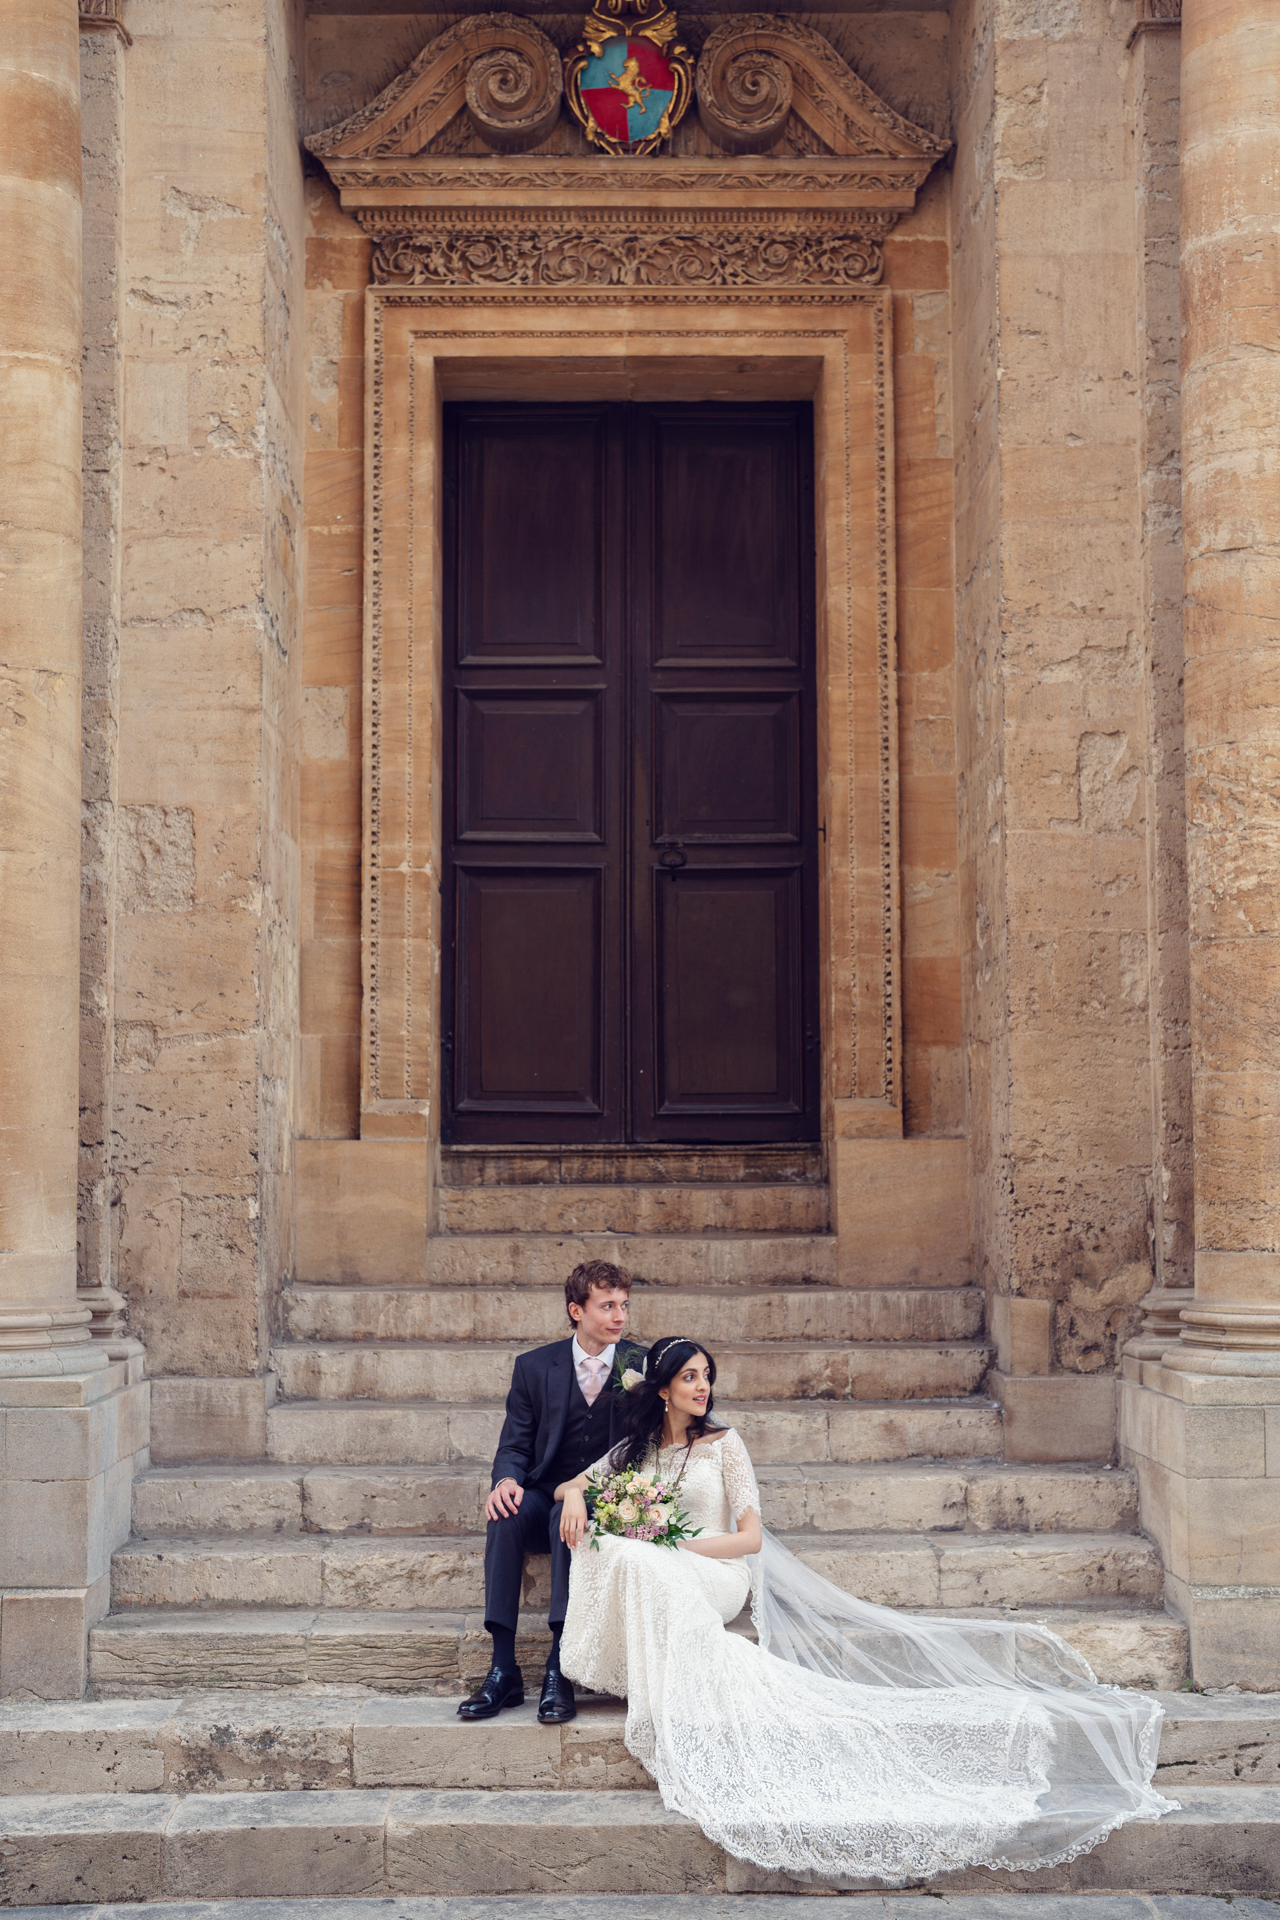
[594, 1368]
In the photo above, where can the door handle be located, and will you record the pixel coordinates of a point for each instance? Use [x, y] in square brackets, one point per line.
[673, 857]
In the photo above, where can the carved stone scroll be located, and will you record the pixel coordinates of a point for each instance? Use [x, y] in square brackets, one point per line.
[503, 70]
[743, 98]
[744, 92]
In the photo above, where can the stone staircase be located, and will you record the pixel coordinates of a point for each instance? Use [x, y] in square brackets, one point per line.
[274, 1686]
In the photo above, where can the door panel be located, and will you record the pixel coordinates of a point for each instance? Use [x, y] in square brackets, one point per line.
[528, 1015]
[724, 834]
[727, 769]
[724, 535]
[529, 766]
[630, 889]
[728, 959]
[533, 985]
[533, 494]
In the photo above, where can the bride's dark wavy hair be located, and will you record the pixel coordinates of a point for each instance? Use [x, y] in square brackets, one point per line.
[644, 1409]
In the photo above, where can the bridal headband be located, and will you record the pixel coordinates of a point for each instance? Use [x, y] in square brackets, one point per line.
[631, 1377]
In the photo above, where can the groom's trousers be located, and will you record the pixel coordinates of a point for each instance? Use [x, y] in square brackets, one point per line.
[534, 1528]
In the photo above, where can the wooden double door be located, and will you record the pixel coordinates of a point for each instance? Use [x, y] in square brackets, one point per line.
[630, 857]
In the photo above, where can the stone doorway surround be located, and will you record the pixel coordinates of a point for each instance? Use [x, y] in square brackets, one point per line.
[728, 274]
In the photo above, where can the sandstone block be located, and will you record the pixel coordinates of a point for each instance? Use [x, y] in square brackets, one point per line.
[42, 1643]
[208, 1419]
[200, 1573]
[274, 1743]
[72, 1849]
[977, 1570]
[410, 1500]
[361, 1209]
[1031, 1502]
[169, 1653]
[906, 1432]
[364, 1433]
[395, 1652]
[170, 1500]
[1023, 1333]
[1061, 1416]
[691, 1260]
[593, 1755]
[72, 1748]
[422, 1743]
[545, 1843]
[266, 1846]
[636, 1209]
[907, 1207]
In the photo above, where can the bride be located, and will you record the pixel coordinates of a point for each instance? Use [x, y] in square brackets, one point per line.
[853, 1741]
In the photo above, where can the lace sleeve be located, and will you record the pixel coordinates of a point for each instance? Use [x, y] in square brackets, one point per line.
[739, 1475]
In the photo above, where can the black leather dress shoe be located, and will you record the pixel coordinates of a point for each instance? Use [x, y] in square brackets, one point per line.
[557, 1703]
[501, 1687]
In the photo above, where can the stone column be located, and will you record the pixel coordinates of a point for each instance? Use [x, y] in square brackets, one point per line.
[72, 1420]
[43, 1329]
[1202, 1421]
[1230, 273]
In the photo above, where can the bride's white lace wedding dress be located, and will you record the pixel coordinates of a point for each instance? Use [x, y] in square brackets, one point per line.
[854, 1742]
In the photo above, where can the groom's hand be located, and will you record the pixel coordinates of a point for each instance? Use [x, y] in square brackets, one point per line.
[504, 1500]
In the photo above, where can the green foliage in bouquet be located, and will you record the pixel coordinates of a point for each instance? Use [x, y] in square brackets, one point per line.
[635, 1506]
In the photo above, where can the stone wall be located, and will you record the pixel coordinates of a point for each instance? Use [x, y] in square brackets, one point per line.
[1075, 984]
[204, 983]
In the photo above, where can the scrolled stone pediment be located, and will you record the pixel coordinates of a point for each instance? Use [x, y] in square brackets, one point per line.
[468, 169]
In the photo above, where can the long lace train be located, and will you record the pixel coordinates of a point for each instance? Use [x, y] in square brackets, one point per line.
[853, 1742]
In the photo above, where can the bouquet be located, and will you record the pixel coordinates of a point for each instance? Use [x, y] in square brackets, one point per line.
[635, 1506]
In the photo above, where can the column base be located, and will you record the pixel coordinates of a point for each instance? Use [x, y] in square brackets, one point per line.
[1205, 1442]
[52, 1363]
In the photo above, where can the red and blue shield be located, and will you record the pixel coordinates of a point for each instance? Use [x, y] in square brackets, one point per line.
[627, 87]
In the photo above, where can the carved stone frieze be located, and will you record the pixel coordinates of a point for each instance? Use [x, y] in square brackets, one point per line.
[619, 254]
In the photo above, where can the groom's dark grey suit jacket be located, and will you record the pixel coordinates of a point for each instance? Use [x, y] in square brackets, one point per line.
[538, 1405]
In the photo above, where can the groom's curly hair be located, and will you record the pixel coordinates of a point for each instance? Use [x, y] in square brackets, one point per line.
[645, 1409]
[591, 1276]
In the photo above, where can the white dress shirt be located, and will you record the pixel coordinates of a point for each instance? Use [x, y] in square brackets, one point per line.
[581, 1370]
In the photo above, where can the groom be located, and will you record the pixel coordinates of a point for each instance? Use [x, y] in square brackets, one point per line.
[562, 1413]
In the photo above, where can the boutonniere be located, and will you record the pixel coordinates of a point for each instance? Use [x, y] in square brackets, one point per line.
[625, 1379]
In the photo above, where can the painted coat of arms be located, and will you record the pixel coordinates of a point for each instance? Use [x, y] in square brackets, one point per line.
[628, 81]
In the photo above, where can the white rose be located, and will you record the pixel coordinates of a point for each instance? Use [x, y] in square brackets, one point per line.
[627, 1511]
[631, 1379]
[660, 1516]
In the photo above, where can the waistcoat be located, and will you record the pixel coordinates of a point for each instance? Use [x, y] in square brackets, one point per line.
[585, 1436]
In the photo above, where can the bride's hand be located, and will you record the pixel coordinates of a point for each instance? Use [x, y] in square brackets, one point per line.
[573, 1519]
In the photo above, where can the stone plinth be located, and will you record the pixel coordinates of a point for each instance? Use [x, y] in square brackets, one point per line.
[1207, 1451]
[69, 1448]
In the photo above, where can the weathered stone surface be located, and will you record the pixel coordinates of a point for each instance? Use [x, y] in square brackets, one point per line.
[537, 1313]
[251, 1845]
[502, 1842]
[769, 1369]
[83, 1848]
[70, 1748]
[669, 1260]
[262, 1500]
[633, 1209]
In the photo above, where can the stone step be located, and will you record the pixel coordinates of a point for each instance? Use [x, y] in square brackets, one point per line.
[761, 1370]
[395, 1842]
[524, 1259]
[778, 1207]
[276, 1741]
[823, 1497]
[687, 1906]
[373, 1432]
[447, 1571]
[632, 1165]
[492, 1313]
[145, 1652]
